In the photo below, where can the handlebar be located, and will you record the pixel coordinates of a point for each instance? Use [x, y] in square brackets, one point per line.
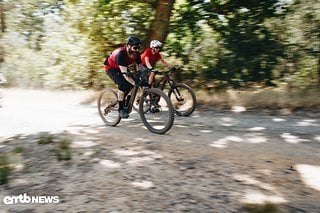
[137, 76]
[171, 70]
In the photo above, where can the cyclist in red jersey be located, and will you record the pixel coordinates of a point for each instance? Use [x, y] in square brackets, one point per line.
[152, 55]
[116, 67]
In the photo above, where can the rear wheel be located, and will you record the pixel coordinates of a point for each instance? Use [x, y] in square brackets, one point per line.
[108, 107]
[156, 111]
[183, 99]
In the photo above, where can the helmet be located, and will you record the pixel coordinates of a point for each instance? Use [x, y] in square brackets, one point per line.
[155, 43]
[132, 40]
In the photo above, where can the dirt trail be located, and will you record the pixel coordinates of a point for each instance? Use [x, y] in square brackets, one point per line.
[213, 161]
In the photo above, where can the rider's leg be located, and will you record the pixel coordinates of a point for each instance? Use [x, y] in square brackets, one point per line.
[124, 87]
[151, 78]
[128, 98]
[121, 96]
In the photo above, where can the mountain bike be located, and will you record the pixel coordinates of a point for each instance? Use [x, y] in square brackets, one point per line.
[181, 95]
[155, 108]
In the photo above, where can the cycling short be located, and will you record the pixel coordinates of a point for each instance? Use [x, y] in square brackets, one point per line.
[117, 77]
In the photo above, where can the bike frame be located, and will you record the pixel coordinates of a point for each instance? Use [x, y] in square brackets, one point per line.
[132, 98]
[134, 92]
[164, 80]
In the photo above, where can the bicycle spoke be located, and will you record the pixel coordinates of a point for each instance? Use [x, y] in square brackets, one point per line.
[183, 99]
[108, 107]
[156, 111]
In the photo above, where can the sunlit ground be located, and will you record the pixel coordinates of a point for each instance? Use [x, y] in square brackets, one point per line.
[217, 131]
[32, 111]
[310, 175]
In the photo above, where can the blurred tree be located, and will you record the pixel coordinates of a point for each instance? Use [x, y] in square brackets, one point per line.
[252, 41]
[2, 17]
[42, 49]
[300, 32]
[107, 24]
[3, 28]
[247, 51]
[160, 25]
[64, 42]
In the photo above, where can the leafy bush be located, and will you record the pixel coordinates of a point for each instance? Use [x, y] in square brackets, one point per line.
[63, 151]
[261, 208]
[4, 169]
[45, 138]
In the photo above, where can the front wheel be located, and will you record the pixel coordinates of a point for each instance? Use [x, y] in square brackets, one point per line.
[183, 99]
[135, 104]
[156, 111]
[108, 107]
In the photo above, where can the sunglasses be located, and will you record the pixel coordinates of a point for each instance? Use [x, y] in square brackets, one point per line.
[156, 47]
[135, 47]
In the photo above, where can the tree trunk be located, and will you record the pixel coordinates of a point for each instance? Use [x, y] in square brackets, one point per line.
[3, 27]
[160, 25]
[2, 17]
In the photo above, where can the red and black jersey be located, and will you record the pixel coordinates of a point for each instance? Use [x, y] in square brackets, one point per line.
[121, 57]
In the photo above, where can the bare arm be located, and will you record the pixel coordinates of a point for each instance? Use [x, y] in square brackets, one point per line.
[165, 63]
[148, 63]
[125, 70]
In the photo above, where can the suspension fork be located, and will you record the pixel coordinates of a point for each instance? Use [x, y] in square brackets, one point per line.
[171, 83]
[175, 91]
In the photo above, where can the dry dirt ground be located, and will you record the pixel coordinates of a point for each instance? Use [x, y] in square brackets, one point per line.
[213, 161]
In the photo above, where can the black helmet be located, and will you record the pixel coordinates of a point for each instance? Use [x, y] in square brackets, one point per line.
[132, 40]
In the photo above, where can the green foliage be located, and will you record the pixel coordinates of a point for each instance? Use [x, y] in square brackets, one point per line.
[63, 151]
[185, 31]
[244, 50]
[30, 20]
[264, 208]
[4, 169]
[299, 31]
[18, 150]
[106, 25]
[42, 49]
[45, 138]
[62, 44]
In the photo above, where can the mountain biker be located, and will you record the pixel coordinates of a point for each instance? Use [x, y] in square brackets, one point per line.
[116, 67]
[152, 55]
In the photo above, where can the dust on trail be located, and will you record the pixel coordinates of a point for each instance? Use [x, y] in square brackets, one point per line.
[213, 161]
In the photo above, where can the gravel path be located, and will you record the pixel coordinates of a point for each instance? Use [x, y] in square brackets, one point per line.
[214, 161]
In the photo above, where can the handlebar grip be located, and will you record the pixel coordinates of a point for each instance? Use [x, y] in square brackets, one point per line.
[129, 74]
